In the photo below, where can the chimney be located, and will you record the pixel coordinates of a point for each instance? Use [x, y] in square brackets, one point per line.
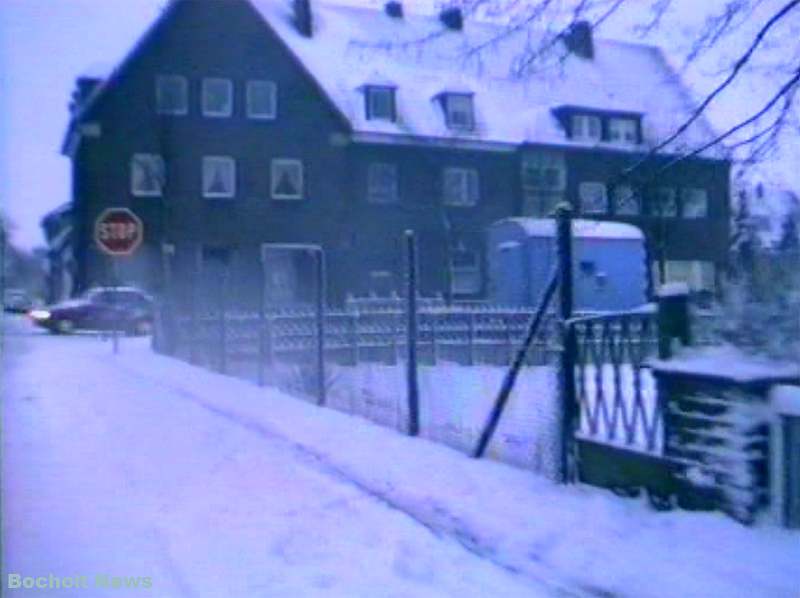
[452, 18]
[303, 19]
[394, 9]
[578, 39]
[84, 86]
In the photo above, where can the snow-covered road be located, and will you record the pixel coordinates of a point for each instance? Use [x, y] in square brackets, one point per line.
[107, 473]
[140, 466]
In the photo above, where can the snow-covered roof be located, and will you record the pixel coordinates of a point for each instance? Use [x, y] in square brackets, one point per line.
[581, 229]
[352, 46]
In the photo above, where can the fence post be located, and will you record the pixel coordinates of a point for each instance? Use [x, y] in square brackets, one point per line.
[194, 283]
[433, 331]
[262, 319]
[471, 338]
[411, 334]
[567, 468]
[223, 324]
[673, 318]
[270, 341]
[169, 325]
[321, 299]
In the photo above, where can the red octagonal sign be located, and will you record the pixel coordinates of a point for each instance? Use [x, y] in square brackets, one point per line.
[118, 231]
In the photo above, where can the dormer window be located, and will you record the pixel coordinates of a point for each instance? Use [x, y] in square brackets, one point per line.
[459, 113]
[586, 127]
[623, 130]
[379, 102]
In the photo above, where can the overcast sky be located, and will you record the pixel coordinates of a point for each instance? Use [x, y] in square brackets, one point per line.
[45, 44]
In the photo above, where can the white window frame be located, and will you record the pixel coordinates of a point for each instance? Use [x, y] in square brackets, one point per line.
[286, 163]
[183, 83]
[657, 203]
[541, 163]
[156, 160]
[622, 193]
[377, 175]
[374, 96]
[207, 173]
[466, 107]
[585, 190]
[270, 114]
[468, 186]
[226, 112]
[473, 270]
[690, 195]
[623, 131]
[583, 129]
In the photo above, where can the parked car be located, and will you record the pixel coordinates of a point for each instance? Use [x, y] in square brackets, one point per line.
[16, 300]
[109, 308]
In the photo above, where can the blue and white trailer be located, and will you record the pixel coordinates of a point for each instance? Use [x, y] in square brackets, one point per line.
[609, 259]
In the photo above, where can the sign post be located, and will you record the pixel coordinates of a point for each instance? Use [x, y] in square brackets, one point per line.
[118, 232]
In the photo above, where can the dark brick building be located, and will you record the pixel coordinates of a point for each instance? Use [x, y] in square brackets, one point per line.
[234, 123]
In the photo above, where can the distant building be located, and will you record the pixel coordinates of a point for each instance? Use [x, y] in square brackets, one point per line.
[232, 124]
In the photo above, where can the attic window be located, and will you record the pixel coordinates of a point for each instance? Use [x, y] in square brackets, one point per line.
[623, 130]
[459, 111]
[379, 102]
[586, 127]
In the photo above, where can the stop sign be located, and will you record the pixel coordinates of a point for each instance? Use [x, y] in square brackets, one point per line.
[118, 231]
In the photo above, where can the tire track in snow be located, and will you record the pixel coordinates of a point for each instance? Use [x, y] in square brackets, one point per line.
[440, 523]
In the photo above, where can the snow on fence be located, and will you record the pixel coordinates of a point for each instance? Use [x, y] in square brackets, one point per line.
[365, 353]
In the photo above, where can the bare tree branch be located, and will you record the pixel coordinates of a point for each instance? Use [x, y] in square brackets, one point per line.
[787, 89]
[737, 68]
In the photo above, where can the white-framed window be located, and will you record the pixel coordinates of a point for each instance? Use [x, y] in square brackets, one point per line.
[544, 171]
[694, 203]
[459, 111]
[219, 177]
[262, 100]
[626, 201]
[172, 95]
[287, 179]
[586, 127]
[664, 203]
[623, 130]
[217, 97]
[698, 275]
[465, 271]
[594, 198]
[380, 103]
[382, 183]
[147, 175]
[461, 186]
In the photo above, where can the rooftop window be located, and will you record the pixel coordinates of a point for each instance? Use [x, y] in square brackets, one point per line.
[586, 127]
[379, 103]
[459, 111]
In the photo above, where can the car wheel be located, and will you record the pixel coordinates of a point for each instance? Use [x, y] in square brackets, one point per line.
[65, 326]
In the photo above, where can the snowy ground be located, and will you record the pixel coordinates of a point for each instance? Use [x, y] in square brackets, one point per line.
[142, 466]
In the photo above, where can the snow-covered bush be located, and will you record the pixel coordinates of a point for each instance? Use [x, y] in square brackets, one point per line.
[761, 294]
